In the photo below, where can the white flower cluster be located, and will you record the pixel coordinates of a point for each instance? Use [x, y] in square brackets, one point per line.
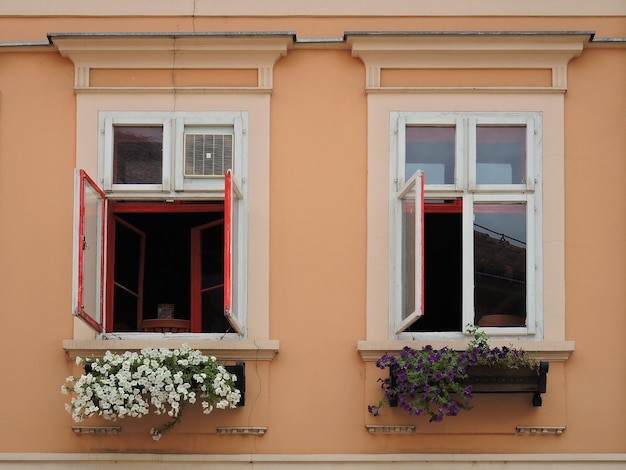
[128, 384]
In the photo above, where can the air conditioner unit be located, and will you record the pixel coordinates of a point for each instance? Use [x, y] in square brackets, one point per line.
[208, 155]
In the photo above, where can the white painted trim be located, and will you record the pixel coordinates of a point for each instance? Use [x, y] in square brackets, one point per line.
[174, 185]
[554, 351]
[225, 350]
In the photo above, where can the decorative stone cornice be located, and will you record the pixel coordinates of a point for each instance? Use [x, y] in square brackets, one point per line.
[467, 50]
[171, 51]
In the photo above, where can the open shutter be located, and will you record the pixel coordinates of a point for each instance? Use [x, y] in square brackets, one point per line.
[411, 251]
[232, 197]
[89, 256]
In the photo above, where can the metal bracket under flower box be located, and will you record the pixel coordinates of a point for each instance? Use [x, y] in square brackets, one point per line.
[239, 369]
[485, 379]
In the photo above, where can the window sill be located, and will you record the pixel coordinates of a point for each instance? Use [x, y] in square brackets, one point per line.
[224, 350]
[553, 351]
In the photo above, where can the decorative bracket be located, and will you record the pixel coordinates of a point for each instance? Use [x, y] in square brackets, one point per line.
[97, 429]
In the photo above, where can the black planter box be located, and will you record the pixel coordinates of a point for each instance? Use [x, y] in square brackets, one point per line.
[486, 379]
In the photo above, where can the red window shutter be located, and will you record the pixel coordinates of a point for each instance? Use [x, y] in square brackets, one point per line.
[231, 196]
[90, 251]
[228, 237]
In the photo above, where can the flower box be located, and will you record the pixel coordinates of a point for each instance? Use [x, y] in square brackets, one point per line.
[441, 382]
[485, 379]
[160, 381]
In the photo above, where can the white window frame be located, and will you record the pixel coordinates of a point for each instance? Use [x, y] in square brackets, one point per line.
[174, 124]
[466, 188]
[209, 189]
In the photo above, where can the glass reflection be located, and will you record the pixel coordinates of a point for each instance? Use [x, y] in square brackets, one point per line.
[138, 154]
[500, 261]
[500, 155]
[408, 257]
[431, 149]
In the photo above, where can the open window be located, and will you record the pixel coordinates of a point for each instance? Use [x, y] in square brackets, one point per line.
[480, 234]
[164, 266]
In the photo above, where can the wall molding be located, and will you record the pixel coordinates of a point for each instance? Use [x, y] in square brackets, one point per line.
[534, 50]
[171, 51]
[57, 461]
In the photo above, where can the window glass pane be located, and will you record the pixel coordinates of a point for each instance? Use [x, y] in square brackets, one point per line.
[408, 257]
[500, 263]
[138, 154]
[92, 229]
[430, 149]
[500, 155]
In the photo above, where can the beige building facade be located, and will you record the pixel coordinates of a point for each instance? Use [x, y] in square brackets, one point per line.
[323, 111]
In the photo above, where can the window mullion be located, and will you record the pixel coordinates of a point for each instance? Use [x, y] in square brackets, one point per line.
[468, 260]
[470, 136]
[460, 153]
[179, 153]
[238, 146]
[400, 139]
[168, 152]
[530, 154]
[531, 264]
[107, 171]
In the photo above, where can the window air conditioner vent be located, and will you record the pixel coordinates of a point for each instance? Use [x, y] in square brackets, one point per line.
[208, 154]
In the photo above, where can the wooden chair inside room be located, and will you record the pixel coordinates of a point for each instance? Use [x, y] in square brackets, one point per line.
[165, 325]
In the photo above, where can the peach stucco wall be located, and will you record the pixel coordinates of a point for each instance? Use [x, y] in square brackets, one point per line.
[313, 395]
[595, 160]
